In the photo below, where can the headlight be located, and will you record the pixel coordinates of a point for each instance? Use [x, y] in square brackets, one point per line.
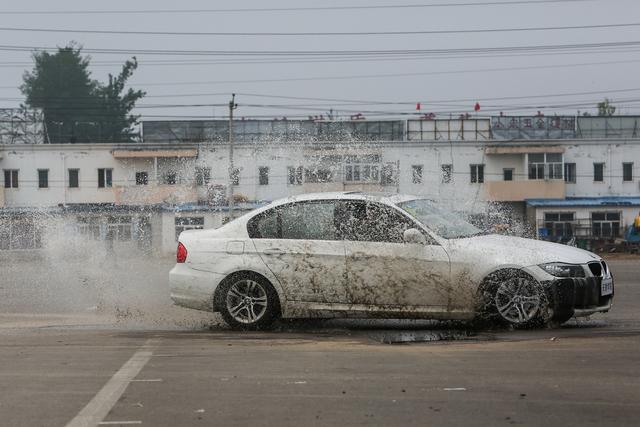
[559, 269]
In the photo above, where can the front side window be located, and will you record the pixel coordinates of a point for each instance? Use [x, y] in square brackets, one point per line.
[444, 223]
[105, 178]
[372, 222]
[10, 178]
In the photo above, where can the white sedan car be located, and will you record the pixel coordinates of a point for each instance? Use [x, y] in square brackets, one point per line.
[360, 255]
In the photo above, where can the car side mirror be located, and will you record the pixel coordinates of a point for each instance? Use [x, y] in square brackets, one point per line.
[413, 235]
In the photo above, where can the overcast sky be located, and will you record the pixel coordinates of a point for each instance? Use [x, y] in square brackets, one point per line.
[442, 84]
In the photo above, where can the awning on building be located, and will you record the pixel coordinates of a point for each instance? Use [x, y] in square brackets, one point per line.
[523, 149]
[130, 154]
[585, 201]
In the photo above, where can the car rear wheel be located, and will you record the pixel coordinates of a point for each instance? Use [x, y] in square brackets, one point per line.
[512, 297]
[248, 301]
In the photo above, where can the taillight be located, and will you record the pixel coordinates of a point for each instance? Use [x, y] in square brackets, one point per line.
[181, 254]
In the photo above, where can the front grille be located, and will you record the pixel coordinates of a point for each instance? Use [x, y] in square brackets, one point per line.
[596, 268]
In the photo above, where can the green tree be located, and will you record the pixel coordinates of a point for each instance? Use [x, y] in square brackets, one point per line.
[77, 108]
[605, 108]
[117, 124]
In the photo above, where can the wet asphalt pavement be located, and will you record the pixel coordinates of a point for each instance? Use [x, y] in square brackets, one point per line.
[149, 365]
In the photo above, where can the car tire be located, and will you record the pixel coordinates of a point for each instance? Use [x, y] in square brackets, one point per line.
[513, 298]
[248, 301]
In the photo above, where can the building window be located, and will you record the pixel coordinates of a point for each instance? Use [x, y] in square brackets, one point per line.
[203, 176]
[318, 174]
[363, 168]
[170, 178]
[559, 224]
[598, 172]
[477, 173]
[142, 178]
[235, 176]
[74, 181]
[20, 232]
[627, 171]
[388, 174]
[89, 226]
[10, 178]
[507, 174]
[43, 178]
[570, 172]
[605, 224]
[447, 171]
[263, 175]
[294, 175]
[105, 178]
[119, 228]
[188, 223]
[545, 165]
[416, 174]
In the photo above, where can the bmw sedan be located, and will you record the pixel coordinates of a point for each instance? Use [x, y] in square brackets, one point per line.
[362, 255]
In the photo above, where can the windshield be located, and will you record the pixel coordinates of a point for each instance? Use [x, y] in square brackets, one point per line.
[444, 223]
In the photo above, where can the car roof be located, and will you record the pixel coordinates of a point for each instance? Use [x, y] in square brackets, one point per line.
[383, 197]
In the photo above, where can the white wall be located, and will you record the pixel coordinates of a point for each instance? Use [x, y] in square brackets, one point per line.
[249, 157]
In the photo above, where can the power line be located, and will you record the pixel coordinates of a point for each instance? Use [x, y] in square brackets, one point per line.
[288, 9]
[316, 34]
[339, 53]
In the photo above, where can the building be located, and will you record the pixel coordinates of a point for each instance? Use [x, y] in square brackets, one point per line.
[560, 175]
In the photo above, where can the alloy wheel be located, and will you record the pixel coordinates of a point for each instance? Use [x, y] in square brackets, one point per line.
[518, 300]
[247, 301]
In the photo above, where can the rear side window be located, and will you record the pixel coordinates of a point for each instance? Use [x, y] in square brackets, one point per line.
[372, 222]
[309, 221]
[313, 220]
[265, 225]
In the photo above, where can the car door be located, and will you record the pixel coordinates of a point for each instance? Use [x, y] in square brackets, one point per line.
[299, 243]
[384, 270]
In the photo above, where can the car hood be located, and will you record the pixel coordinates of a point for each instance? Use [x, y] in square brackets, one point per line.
[517, 250]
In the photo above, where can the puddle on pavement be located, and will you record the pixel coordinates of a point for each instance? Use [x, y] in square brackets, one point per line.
[405, 337]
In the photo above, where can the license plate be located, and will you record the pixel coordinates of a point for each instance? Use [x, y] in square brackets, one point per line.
[606, 287]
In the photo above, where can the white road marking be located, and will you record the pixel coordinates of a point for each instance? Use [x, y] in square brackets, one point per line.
[98, 408]
[150, 380]
[118, 423]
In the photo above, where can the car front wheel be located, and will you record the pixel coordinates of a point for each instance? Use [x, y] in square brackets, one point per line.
[512, 297]
[248, 301]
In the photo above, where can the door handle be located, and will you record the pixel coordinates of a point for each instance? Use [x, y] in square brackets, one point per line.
[273, 251]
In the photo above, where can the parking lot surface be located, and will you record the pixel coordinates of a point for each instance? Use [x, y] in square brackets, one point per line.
[160, 366]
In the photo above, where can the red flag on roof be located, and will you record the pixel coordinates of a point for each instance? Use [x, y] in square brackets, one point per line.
[418, 106]
[476, 107]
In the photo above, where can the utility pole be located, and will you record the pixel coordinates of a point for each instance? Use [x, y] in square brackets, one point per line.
[232, 106]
